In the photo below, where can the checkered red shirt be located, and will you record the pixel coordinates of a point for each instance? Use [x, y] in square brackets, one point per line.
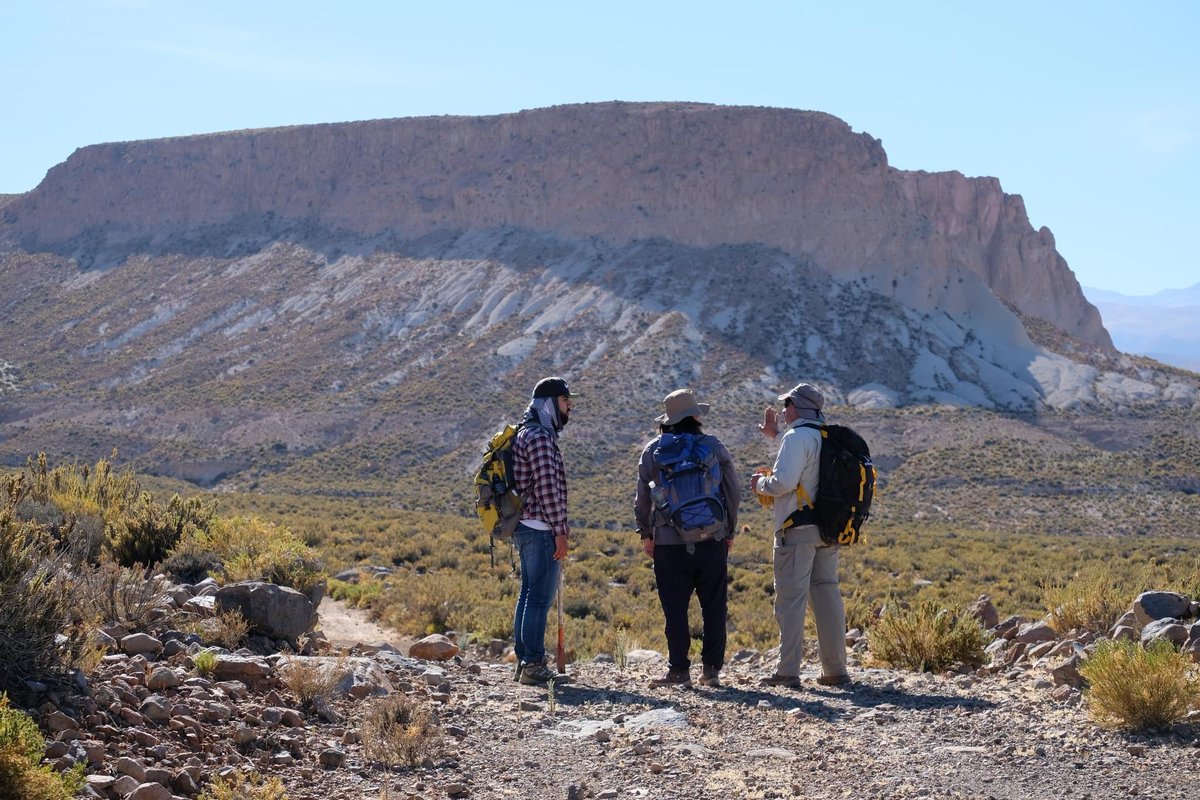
[541, 479]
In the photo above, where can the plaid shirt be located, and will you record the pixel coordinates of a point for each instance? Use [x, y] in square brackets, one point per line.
[541, 479]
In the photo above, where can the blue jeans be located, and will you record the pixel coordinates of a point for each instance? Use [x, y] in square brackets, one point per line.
[539, 582]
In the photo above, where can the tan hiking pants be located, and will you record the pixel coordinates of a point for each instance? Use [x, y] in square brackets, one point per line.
[804, 566]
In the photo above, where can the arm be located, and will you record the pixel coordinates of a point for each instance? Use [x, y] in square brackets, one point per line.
[730, 489]
[785, 475]
[642, 504]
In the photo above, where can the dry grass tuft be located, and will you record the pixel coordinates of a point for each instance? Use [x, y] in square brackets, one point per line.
[1137, 688]
[238, 786]
[396, 731]
[926, 638]
[312, 680]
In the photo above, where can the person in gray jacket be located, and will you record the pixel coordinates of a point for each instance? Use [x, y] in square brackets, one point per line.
[683, 568]
[804, 565]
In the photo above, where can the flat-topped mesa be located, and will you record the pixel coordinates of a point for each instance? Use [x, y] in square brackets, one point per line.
[699, 175]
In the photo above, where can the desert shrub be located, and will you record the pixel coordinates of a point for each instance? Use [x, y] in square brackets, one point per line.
[93, 510]
[1135, 687]
[254, 549]
[926, 638]
[147, 532]
[35, 595]
[238, 786]
[1092, 600]
[205, 663]
[22, 775]
[113, 594]
[396, 731]
[310, 680]
[190, 562]
[436, 603]
[356, 595]
[227, 629]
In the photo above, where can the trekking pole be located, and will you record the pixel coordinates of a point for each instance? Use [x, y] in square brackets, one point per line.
[560, 656]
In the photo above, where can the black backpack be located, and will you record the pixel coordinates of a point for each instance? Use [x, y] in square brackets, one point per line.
[845, 488]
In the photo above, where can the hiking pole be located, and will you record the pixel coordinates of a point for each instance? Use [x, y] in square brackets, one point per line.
[560, 656]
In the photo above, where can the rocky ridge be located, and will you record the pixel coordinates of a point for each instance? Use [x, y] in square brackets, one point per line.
[697, 175]
[149, 727]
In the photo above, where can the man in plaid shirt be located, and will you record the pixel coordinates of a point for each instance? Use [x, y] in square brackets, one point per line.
[541, 535]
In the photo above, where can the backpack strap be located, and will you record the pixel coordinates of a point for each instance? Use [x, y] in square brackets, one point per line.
[806, 507]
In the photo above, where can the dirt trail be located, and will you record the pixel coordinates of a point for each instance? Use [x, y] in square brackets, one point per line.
[346, 626]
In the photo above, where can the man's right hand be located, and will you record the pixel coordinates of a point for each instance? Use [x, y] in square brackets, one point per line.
[648, 546]
[770, 424]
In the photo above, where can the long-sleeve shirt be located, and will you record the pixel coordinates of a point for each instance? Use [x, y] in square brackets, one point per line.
[541, 478]
[798, 463]
[652, 522]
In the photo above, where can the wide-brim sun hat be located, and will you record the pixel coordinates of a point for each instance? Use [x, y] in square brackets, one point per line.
[679, 405]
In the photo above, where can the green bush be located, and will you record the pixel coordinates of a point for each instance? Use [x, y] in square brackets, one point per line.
[190, 562]
[1135, 687]
[254, 549]
[147, 532]
[356, 595]
[94, 511]
[1092, 600]
[926, 638]
[22, 775]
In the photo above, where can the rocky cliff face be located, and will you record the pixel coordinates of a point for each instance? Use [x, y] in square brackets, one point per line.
[697, 175]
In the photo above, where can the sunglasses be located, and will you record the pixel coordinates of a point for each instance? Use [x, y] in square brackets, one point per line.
[787, 402]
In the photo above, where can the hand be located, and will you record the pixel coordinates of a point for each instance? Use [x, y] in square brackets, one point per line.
[560, 547]
[728, 544]
[648, 546]
[770, 424]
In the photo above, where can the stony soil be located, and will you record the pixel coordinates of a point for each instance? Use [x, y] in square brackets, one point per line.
[892, 735]
[152, 728]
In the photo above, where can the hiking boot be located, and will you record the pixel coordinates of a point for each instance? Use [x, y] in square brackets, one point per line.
[790, 681]
[674, 677]
[711, 676]
[834, 680]
[534, 674]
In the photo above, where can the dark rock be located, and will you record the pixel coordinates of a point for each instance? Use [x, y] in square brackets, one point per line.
[276, 611]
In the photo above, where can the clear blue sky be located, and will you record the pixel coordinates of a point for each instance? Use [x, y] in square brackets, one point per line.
[1089, 110]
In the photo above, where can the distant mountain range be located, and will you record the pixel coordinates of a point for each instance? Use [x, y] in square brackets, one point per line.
[1164, 326]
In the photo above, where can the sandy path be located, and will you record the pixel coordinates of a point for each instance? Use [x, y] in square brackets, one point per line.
[345, 626]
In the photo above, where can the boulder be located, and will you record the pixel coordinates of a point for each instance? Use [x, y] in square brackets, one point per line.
[137, 644]
[1066, 672]
[983, 610]
[1151, 606]
[231, 667]
[1033, 632]
[276, 611]
[1007, 628]
[433, 648]
[163, 678]
[150, 791]
[1174, 632]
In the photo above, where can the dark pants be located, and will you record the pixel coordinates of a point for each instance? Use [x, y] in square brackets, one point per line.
[680, 573]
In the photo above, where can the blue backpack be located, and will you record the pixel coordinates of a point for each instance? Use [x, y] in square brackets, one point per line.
[688, 492]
